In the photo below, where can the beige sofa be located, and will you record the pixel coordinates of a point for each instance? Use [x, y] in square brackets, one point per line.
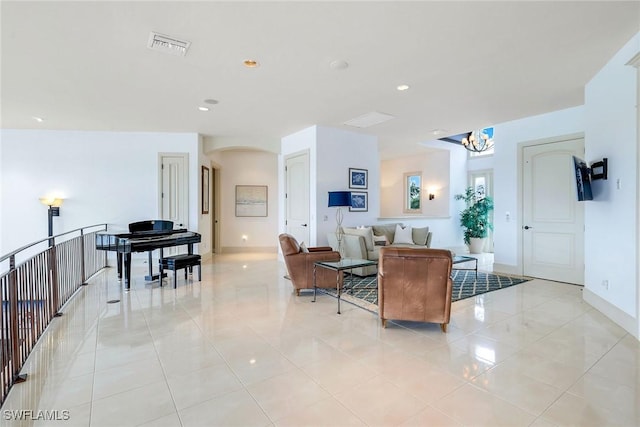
[365, 242]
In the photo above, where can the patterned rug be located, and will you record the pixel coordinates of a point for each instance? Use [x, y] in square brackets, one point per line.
[365, 289]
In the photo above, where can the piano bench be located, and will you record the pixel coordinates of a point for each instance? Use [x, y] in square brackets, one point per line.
[177, 262]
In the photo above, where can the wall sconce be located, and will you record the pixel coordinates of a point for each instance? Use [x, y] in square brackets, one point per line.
[432, 196]
[54, 204]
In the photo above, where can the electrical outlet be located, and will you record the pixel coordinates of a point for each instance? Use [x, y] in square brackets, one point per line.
[605, 284]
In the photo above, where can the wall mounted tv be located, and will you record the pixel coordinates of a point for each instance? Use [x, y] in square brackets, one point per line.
[583, 179]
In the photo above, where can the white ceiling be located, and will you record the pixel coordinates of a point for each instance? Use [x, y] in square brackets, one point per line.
[86, 66]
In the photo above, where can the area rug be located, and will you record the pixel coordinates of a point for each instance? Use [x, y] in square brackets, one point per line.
[364, 292]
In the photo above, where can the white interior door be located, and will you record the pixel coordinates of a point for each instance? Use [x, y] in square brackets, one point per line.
[553, 219]
[297, 196]
[174, 191]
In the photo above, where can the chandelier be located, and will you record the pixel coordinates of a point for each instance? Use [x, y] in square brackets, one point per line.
[478, 141]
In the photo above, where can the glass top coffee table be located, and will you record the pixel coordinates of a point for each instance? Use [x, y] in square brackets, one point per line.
[459, 259]
[338, 266]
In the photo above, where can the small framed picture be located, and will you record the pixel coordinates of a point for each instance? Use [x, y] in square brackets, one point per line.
[359, 201]
[358, 178]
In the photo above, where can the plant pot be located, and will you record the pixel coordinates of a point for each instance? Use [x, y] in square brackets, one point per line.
[476, 245]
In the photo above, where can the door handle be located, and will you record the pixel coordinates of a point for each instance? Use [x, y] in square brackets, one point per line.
[526, 227]
[303, 225]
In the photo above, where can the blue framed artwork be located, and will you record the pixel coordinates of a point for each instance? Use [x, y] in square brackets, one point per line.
[359, 201]
[358, 178]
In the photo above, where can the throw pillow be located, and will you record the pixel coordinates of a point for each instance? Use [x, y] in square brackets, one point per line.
[379, 240]
[303, 248]
[419, 235]
[365, 232]
[403, 235]
[386, 230]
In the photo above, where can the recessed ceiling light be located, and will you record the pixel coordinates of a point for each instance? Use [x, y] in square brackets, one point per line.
[339, 64]
[251, 63]
[438, 131]
[38, 119]
[402, 87]
[203, 108]
[211, 101]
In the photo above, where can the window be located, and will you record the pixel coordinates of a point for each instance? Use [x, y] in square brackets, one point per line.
[413, 192]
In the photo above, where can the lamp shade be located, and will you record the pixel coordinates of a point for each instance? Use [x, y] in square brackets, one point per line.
[339, 198]
[51, 201]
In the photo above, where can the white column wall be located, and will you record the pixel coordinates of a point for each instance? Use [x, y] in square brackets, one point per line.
[337, 151]
[611, 123]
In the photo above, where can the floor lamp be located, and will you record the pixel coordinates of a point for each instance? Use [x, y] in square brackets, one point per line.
[339, 199]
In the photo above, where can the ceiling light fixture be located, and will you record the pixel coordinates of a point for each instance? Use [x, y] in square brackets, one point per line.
[203, 108]
[38, 119]
[402, 88]
[251, 63]
[211, 101]
[438, 132]
[478, 141]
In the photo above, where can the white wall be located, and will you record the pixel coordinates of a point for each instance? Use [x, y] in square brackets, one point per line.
[104, 177]
[337, 151]
[435, 170]
[611, 120]
[248, 167]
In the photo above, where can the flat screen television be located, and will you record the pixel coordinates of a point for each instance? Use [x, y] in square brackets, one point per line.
[583, 179]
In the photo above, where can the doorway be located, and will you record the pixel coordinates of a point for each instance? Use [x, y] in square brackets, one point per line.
[552, 218]
[215, 209]
[174, 191]
[482, 183]
[297, 196]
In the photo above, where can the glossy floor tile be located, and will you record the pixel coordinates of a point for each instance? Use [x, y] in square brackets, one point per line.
[240, 349]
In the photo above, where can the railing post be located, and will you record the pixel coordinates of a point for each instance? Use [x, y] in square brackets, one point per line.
[83, 275]
[16, 362]
[53, 275]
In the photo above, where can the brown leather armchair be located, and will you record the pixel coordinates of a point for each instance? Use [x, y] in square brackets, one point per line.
[415, 284]
[300, 264]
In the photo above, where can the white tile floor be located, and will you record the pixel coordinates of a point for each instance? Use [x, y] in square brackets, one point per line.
[241, 349]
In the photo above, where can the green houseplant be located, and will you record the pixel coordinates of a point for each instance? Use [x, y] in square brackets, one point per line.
[474, 218]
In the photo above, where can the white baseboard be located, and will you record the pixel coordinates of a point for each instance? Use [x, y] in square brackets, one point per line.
[512, 270]
[248, 249]
[624, 320]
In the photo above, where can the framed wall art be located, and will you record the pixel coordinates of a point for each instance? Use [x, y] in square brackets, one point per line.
[251, 200]
[204, 197]
[358, 178]
[359, 201]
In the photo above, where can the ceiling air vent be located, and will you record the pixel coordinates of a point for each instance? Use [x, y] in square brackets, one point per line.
[168, 44]
[369, 119]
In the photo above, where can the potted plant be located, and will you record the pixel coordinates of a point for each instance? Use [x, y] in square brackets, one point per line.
[475, 219]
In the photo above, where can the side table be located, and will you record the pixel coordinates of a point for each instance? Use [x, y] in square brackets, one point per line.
[338, 266]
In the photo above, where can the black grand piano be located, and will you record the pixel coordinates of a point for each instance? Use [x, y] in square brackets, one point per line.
[144, 236]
